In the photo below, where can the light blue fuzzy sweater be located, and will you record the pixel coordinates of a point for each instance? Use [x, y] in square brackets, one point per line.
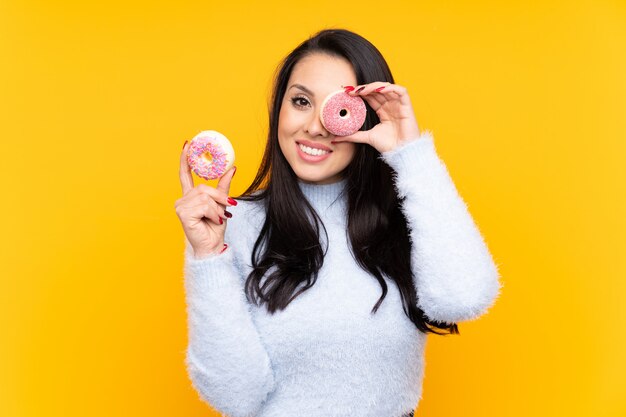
[326, 355]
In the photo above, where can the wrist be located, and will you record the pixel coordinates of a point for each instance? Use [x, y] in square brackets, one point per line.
[207, 253]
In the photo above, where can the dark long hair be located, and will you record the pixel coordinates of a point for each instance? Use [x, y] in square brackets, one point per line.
[289, 241]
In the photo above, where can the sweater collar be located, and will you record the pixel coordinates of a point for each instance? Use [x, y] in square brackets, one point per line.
[323, 195]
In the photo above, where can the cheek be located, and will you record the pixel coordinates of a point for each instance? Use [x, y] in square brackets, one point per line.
[348, 153]
[287, 120]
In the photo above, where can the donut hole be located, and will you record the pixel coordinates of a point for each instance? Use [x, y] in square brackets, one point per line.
[343, 113]
[208, 156]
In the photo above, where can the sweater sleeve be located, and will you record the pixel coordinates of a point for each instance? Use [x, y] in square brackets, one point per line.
[225, 359]
[455, 276]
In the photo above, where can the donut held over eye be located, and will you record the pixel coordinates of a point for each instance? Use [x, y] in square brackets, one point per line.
[341, 114]
[210, 154]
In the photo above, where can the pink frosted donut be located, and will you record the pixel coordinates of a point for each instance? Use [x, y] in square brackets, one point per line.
[210, 154]
[342, 114]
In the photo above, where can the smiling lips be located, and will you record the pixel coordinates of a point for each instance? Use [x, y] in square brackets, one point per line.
[312, 152]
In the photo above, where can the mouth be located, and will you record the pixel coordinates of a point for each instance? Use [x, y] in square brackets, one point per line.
[313, 145]
[312, 151]
[315, 153]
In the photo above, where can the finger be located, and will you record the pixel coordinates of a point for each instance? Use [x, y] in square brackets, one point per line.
[368, 93]
[186, 180]
[365, 89]
[392, 92]
[383, 89]
[195, 213]
[213, 194]
[213, 215]
[375, 101]
[224, 182]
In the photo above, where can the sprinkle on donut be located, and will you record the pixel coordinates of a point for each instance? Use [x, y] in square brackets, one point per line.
[342, 114]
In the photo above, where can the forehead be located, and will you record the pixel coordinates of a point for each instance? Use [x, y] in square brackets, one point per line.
[322, 73]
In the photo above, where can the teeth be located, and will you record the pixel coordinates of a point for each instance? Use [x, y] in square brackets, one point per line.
[311, 151]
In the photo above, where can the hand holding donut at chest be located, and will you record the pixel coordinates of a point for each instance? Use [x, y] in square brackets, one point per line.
[202, 209]
[393, 106]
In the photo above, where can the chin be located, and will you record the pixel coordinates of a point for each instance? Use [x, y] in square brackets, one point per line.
[310, 178]
[317, 178]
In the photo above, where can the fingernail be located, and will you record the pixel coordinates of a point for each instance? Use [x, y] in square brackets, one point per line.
[184, 144]
[221, 221]
[348, 88]
[380, 88]
[224, 248]
[232, 202]
[234, 172]
[359, 89]
[227, 214]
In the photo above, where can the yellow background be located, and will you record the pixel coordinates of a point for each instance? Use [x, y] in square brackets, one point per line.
[527, 103]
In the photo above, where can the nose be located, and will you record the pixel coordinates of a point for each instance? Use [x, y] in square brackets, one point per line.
[314, 126]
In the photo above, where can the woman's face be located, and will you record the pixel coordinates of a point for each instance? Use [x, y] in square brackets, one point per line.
[299, 126]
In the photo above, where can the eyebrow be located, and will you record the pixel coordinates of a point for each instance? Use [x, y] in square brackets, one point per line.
[303, 88]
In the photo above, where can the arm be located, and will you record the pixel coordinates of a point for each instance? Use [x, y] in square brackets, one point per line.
[455, 276]
[225, 359]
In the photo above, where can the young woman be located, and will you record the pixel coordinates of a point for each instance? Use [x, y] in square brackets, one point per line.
[313, 292]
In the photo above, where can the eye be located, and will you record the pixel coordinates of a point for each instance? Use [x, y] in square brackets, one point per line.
[300, 101]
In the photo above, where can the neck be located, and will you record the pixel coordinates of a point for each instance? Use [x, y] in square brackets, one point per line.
[322, 196]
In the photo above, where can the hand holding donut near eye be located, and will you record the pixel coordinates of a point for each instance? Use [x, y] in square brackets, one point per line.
[392, 105]
[202, 209]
